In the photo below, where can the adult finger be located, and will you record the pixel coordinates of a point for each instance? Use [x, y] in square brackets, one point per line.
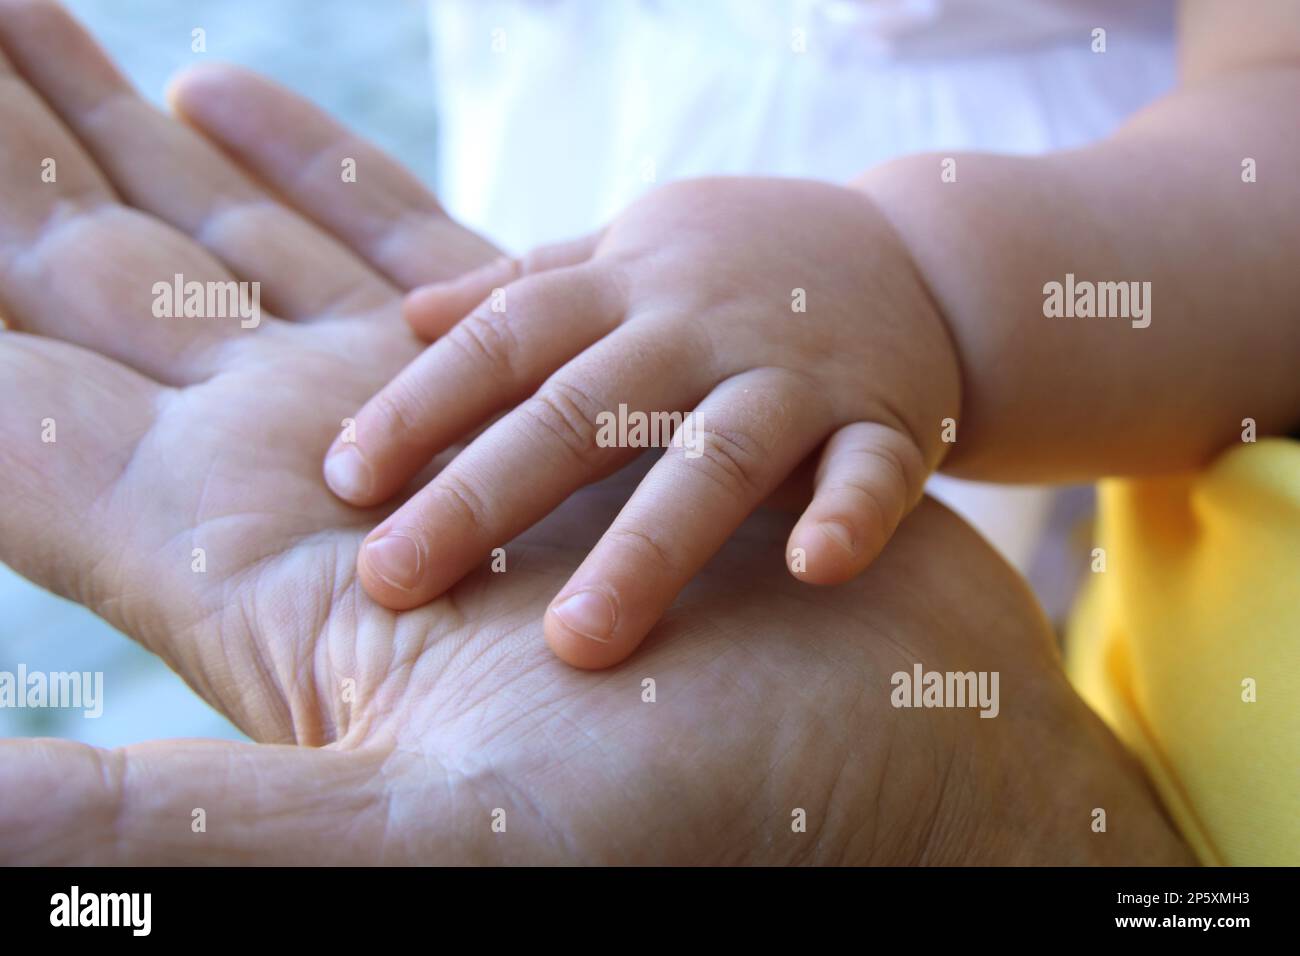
[166, 169]
[382, 212]
[77, 265]
[189, 802]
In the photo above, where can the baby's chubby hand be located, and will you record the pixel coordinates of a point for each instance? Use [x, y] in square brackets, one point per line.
[784, 316]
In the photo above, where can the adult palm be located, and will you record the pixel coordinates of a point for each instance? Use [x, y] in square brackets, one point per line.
[181, 499]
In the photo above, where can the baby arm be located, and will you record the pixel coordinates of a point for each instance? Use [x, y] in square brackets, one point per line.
[791, 317]
[1169, 203]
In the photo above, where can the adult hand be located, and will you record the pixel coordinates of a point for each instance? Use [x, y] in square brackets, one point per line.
[387, 737]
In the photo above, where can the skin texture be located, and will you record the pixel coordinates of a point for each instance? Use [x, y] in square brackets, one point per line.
[175, 434]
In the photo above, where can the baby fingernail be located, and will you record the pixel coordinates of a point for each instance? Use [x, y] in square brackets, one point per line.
[347, 473]
[396, 559]
[588, 613]
[419, 300]
[838, 533]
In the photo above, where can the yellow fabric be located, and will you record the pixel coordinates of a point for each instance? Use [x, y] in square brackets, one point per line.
[1201, 592]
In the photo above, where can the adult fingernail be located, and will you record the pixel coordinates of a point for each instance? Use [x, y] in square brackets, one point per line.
[590, 614]
[396, 559]
[347, 473]
[838, 533]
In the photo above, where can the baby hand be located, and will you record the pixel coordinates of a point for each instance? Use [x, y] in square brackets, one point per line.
[782, 315]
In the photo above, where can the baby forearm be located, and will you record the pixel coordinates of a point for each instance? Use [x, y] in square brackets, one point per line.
[1162, 213]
